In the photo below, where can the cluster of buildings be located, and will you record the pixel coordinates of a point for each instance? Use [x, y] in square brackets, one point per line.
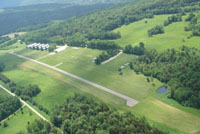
[38, 46]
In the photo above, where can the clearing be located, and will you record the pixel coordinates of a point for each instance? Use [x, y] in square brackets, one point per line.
[172, 38]
[153, 106]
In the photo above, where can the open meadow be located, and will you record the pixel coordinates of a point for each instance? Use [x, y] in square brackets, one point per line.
[56, 87]
[18, 122]
[159, 87]
[174, 36]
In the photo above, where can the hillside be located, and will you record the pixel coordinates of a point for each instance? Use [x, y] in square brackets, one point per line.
[40, 14]
[93, 27]
[151, 53]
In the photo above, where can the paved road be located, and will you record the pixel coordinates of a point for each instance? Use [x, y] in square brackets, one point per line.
[25, 104]
[130, 102]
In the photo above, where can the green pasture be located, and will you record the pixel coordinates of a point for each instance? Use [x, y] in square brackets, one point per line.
[174, 36]
[18, 122]
[155, 107]
[3, 93]
[79, 62]
[158, 109]
[34, 54]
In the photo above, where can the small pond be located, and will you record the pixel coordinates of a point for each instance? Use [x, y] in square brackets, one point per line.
[162, 90]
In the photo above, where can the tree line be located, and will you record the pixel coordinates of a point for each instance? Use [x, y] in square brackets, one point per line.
[29, 16]
[137, 50]
[8, 105]
[173, 18]
[97, 25]
[4, 39]
[193, 26]
[105, 56]
[8, 43]
[178, 68]
[24, 92]
[82, 115]
[158, 29]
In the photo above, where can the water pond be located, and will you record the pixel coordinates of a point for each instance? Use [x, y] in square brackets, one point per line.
[162, 90]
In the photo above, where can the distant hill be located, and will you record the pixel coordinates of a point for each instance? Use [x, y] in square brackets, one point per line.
[14, 18]
[12, 3]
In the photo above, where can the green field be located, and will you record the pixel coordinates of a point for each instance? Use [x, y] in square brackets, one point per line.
[3, 93]
[18, 122]
[157, 108]
[172, 38]
[56, 87]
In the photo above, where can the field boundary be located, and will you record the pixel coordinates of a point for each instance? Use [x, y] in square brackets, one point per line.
[112, 58]
[25, 104]
[12, 114]
[130, 101]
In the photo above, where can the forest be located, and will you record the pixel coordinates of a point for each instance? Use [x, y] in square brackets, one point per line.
[98, 25]
[32, 15]
[178, 68]
[8, 105]
[158, 29]
[82, 115]
[194, 22]
[173, 18]
[137, 50]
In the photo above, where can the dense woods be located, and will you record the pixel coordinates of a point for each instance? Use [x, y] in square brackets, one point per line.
[193, 26]
[137, 50]
[25, 92]
[33, 15]
[158, 29]
[8, 105]
[173, 18]
[178, 68]
[103, 45]
[81, 115]
[98, 25]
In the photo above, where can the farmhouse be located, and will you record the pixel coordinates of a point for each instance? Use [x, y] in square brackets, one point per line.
[38, 46]
[60, 49]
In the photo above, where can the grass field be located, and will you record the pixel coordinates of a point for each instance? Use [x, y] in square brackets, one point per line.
[156, 108]
[34, 54]
[172, 38]
[3, 93]
[18, 122]
[79, 62]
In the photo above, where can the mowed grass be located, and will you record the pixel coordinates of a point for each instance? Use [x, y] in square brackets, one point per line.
[56, 87]
[18, 122]
[130, 84]
[34, 54]
[171, 116]
[3, 93]
[79, 62]
[172, 38]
